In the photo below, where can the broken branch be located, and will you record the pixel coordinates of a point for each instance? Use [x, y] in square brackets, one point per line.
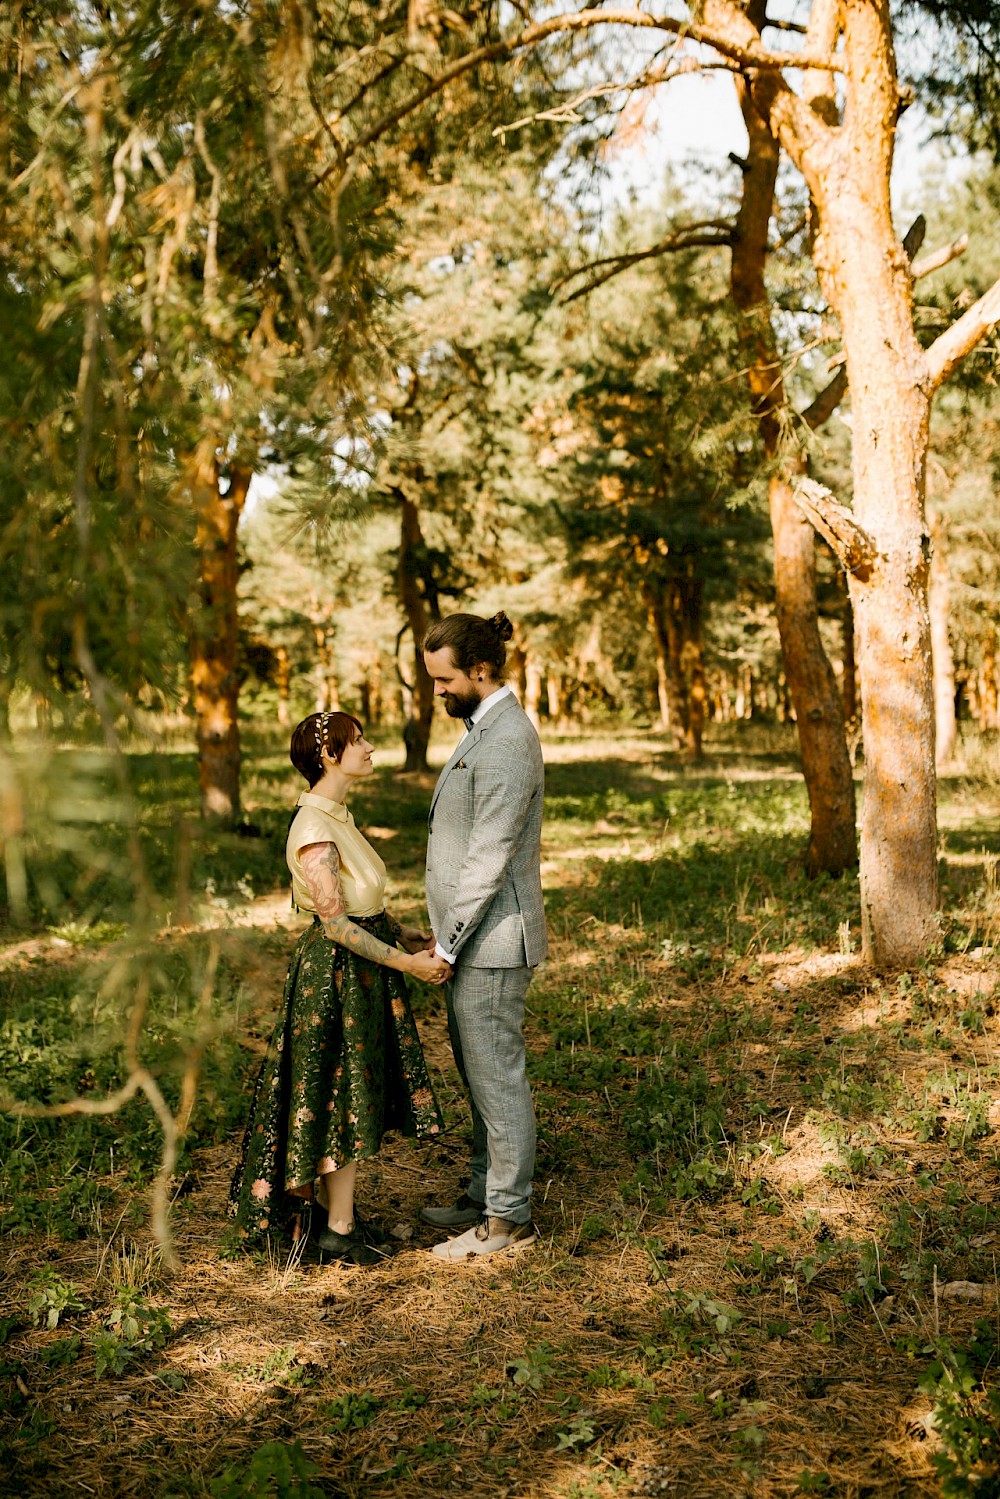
[836, 524]
[943, 256]
[951, 346]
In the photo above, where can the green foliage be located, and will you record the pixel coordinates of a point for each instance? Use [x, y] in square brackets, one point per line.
[352, 1412]
[51, 1298]
[132, 1329]
[531, 1371]
[278, 1470]
[966, 1417]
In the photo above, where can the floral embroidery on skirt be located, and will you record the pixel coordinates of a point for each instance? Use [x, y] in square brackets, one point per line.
[343, 1067]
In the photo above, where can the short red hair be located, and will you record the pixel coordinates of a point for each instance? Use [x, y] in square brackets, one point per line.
[332, 732]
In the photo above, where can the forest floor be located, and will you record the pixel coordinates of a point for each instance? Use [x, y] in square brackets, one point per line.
[767, 1183]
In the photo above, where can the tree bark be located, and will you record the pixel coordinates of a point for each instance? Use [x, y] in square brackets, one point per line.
[812, 686]
[417, 729]
[327, 687]
[214, 637]
[283, 680]
[661, 610]
[690, 593]
[866, 277]
[532, 688]
[945, 724]
[819, 717]
[849, 678]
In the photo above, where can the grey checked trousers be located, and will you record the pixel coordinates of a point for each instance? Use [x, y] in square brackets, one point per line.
[485, 1023]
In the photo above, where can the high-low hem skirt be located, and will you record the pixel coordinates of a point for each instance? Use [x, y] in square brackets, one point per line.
[343, 1067]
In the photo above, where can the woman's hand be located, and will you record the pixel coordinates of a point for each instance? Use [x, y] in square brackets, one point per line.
[428, 967]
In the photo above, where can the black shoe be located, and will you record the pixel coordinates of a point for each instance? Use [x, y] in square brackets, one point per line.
[350, 1248]
[370, 1232]
[465, 1211]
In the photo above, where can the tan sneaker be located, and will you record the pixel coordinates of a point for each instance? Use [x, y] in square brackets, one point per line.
[489, 1236]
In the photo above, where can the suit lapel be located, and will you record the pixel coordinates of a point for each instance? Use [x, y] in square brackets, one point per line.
[466, 743]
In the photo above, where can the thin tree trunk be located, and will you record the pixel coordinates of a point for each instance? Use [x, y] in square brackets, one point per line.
[812, 686]
[282, 681]
[667, 643]
[532, 688]
[214, 638]
[987, 695]
[555, 694]
[694, 657]
[328, 690]
[417, 729]
[945, 725]
[832, 843]
[849, 679]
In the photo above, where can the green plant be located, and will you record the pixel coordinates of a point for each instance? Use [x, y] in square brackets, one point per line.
[966, 1419]
[132, 1329]
[51, 1298]
[279, 1470]
[352, 1412]
[579, 1433]
[61, 1351]
[531, 1370]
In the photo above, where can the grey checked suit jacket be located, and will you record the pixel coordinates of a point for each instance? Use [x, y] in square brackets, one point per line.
[484, 888]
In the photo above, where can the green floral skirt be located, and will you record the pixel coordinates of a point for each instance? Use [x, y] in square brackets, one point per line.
[343, 1067]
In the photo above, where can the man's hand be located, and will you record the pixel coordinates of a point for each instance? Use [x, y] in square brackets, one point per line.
[414, 940]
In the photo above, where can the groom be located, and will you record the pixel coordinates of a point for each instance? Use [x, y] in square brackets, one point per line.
[484, 897]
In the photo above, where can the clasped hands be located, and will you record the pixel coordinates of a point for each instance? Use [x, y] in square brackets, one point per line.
[426, 965]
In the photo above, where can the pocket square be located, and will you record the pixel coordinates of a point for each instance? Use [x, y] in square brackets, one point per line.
[461, 765]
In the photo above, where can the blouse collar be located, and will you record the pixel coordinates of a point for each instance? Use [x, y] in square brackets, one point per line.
[337, 810]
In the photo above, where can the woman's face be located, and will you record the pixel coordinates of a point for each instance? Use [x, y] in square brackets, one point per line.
[357, 757]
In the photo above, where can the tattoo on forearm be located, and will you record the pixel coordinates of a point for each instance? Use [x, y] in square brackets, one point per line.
[321, 871]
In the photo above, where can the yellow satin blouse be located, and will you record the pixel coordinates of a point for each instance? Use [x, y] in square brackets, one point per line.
[362, 873]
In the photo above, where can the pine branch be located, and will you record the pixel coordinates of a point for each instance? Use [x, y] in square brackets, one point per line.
[708, 233]
[837, 525]
[748, 54]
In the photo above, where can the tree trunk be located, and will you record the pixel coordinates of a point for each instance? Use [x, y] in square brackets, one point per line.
[812, 686]
[532, 688]
[417, 729]
[282, 680]
[214, 638]
[819, 718]
[866, 277]
[555, 695]
[849, 679]
[945, 726]
[987, 695]
[662, 611]
[371, 694]
[327, 688]
[690, 594]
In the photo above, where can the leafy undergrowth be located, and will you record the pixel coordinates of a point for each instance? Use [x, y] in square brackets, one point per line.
[767, 1186]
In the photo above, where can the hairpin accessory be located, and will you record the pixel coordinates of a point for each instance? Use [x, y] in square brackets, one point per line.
[322, 719]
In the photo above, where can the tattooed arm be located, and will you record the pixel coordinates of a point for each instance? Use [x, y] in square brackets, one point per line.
[320, 864]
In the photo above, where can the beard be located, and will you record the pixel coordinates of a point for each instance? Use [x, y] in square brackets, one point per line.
[460, 704]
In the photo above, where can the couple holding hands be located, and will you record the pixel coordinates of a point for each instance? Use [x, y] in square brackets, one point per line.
[345, 1063]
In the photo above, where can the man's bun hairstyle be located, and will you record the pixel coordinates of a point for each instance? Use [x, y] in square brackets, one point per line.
[473, 641]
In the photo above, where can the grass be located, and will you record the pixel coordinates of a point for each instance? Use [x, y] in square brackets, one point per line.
[767, 1179]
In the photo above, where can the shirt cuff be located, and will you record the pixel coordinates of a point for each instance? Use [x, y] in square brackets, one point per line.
[449, 957]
